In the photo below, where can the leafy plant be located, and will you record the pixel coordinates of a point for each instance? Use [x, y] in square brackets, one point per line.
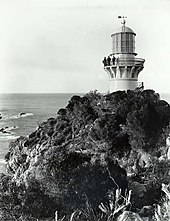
[162, 213]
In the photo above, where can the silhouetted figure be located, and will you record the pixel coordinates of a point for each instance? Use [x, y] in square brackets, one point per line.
[117, 61]
[108, 60]
[113, 60]
[104, 61]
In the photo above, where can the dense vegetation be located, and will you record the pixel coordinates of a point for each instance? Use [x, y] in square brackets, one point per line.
[96, 145]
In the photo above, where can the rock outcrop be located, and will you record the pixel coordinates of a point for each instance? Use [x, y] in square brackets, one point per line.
[95, 145]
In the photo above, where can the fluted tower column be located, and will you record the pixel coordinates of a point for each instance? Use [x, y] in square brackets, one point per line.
[122, 65]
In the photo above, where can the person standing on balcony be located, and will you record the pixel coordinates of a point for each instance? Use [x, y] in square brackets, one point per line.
[116, 61]
[108, 60]
[104, 61]
[113, 60]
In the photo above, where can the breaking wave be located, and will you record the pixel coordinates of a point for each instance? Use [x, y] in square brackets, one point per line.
[21, 115]
[6, 137]
[2, 161]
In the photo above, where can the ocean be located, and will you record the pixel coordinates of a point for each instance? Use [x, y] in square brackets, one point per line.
[21, 113]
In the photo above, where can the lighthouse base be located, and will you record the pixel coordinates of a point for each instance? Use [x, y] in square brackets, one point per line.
[123, 84]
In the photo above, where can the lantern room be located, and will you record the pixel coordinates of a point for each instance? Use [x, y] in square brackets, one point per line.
[123, 41]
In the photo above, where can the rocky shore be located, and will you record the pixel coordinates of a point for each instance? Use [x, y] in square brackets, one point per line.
[95, 146]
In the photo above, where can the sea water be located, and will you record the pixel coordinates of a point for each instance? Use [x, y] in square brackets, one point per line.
[22, 113]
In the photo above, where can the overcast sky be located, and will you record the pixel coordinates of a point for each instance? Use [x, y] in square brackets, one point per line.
[58, 45]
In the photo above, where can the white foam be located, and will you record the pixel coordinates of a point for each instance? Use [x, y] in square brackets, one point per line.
[2, 161]
[8, 137]
[27, 114]
[22, 115]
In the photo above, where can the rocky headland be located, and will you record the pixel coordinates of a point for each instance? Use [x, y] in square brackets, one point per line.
[96, 146]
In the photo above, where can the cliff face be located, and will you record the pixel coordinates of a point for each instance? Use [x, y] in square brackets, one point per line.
[94, 146]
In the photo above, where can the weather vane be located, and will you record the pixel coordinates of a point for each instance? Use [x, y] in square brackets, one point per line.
[123, 19]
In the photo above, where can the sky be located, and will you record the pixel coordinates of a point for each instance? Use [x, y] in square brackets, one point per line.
[57, 46]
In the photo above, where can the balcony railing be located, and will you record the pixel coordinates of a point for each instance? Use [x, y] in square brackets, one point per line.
[140, 85]
[126, 62]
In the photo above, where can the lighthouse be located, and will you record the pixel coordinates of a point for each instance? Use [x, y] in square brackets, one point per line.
[122, 65]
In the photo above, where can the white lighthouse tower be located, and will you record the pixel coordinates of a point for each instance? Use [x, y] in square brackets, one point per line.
[122, 66]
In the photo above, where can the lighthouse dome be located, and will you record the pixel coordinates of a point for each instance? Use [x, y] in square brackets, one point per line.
[123, 29]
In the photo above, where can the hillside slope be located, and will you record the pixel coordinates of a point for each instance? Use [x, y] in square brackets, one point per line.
[95, 145]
